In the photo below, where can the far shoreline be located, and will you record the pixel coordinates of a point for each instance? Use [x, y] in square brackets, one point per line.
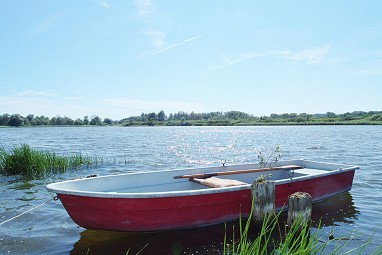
[230, 118]
[164, 125]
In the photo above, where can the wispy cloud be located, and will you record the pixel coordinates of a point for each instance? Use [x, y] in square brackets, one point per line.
[74, 98]
[105, 4]
[32, 93]
[47, 106]
[237, 59]
[156, 38]
[145, 7]
[311, 56]
[170, 47]
[373, 71]
[147, 13]
[45, 94]
[138, 106]
[368, 63]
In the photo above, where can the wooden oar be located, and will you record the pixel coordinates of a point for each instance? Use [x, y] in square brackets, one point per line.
[208, 175]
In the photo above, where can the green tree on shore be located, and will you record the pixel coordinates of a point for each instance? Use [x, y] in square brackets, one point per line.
[16, 120]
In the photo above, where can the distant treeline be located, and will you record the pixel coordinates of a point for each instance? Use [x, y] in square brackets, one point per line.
[231, 118]
[16, 120]
[237, 118]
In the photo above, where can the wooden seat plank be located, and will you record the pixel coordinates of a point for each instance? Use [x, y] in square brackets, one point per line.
[214, 182]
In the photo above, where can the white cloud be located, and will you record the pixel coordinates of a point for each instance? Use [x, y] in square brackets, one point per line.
[73, 98]
[137, 106]
[78, 107]
[146, 12]
[145, 7]
[365, 72]
[105, 4]
[29, 93]
[311, 56]
[171, 46]
[47, 103]
[156, 35]
[41, 106]
[157, 38]
[243, 57]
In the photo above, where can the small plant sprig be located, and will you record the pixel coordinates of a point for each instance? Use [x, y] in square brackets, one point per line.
[274, 157]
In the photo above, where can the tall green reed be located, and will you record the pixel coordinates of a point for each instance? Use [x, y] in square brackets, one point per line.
[29, 162]
[274, 237]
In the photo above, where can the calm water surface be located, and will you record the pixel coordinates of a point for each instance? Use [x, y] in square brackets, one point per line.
[355, 215]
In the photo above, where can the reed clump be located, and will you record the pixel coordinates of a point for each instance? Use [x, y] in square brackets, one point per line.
[271, 239]
[274, 237]
[25, 161]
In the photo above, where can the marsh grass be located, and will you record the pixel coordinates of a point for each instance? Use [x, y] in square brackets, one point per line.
[29, 162]
[271, 239]
[274, 237]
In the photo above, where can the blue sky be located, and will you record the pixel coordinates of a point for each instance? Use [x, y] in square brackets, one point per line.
[118, 59]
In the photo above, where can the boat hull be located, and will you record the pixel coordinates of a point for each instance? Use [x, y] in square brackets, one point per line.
[194, 210]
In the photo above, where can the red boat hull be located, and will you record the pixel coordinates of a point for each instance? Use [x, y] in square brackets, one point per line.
[172, 212]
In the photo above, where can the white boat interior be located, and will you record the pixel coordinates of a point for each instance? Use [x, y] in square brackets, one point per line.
[163, 183]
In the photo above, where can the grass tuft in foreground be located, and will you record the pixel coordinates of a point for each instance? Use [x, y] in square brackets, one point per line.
[297, 239]
[29, 162]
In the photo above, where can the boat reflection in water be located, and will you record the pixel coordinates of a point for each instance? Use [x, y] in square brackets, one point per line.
[203, 240]
[331, 212]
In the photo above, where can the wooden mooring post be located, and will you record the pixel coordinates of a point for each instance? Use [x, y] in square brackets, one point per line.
[299, 219]
[299, 207]
[263, 195]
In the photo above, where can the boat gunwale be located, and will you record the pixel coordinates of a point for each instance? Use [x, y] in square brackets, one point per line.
[194, 192]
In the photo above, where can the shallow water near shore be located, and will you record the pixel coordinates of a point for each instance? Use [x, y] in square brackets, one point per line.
[355, 215]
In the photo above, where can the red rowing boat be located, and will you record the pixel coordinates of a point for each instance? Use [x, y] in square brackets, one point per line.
[183, 198]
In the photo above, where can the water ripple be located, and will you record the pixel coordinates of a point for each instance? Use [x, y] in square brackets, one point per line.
[155, 148]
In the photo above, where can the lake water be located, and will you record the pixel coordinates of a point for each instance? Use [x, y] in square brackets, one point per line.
[356, 215]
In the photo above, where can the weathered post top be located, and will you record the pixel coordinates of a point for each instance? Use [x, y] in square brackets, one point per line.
[263, 195]
[299, 205]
